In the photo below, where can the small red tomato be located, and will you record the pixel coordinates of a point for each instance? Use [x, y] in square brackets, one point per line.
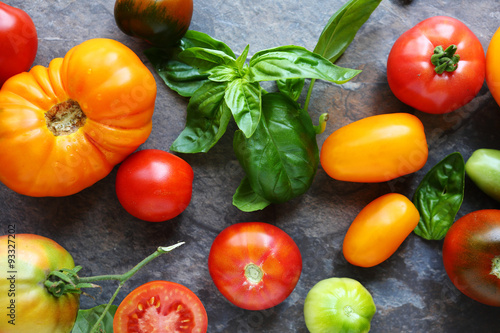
[471, 255]
[418, 56]
[160, 306]
[18, 40]
[154, 185]
[254, 265]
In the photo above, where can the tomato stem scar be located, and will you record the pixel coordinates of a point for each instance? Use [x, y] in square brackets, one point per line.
[253, 273]
[65, 118]
[495, 266]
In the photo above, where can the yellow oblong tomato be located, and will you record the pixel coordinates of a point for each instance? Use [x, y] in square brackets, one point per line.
[493, 66]
[375, 149]
[65, 126]
[379, 229]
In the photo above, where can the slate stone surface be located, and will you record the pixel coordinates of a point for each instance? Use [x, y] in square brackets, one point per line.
[411, 289]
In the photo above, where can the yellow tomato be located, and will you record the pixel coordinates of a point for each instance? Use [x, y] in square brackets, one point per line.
[493, 66]
[375, 149]
[65, 127]
[379, 229]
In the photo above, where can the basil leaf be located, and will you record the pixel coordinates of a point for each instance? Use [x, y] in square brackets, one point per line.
[206, 121]
[177, 75]
[205, 59]
[223, 74]
[439, 197]
[294, 62]
[291, 87]
[243, 58]
[343, 26]
[243, 99]
[246, 200]
[86, 319]
[281, 158]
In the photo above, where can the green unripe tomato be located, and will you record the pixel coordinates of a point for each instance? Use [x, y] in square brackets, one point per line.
[483, 168]
[338, 305]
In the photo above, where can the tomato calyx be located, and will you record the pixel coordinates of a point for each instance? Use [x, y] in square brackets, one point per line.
[65, 118]
[66, 281]
[495, 267]
[445, 60]
[253, 273]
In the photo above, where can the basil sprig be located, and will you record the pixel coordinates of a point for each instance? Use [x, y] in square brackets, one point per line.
[275, 142]
[439, 196]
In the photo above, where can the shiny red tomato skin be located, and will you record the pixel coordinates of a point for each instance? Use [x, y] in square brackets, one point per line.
[263, 245]
[151, 306]
[19, 41]
[411, 74]
[154, 185]
[469, 249]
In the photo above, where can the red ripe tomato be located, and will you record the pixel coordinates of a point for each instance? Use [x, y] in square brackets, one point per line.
[413, 78]
[19, 41]
[254, 265]
[160, 306]
[471, 255]
[154, 185]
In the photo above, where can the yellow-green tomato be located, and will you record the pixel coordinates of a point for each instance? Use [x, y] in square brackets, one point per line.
[483, 167]
[339, 305]
[27, 306]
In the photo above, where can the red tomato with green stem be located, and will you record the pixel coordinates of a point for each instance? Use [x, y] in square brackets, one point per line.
[19, 41]
[154, 185]
[254, 265]
[437, 66]
[160, 306]
[471, 255]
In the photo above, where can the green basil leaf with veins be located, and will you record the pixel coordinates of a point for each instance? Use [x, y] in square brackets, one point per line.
[205, 59]
[294, 62]
[291, 87]
[244, 101]
[343, 26]
[245, 198]
[281, 158]
[177, 75]
[439, 196]
[86, 319]
[206, 121]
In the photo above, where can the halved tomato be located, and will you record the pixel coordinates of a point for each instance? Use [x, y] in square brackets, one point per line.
[161, 307]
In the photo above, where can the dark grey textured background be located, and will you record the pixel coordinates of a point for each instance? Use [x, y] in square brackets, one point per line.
[411, 289]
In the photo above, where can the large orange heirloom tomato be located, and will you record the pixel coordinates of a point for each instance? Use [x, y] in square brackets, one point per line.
[379, 229]
[493, 66]
[65, 127]
[375, 149]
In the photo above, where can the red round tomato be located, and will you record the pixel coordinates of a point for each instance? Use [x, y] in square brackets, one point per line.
[160, 306]
[27, 306]
[154, 185]
[160, 22]
[471, 255]
[418, 56]
[19, 41]
[254, 265]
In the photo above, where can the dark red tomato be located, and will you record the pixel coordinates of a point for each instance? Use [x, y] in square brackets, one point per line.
[160, 22]
[471, 255]
[160, 306]
[18, 40]
[412, 75]
[254, 265]
[154, 185]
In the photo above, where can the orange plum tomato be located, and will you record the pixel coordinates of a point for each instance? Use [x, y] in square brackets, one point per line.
[471, 255]
[379, 229]
[375, 149]
[154, 185]
[65, 127]
[493, 66]
[437, 66]
[254, 265]
[162, 23]
[18, 40]
[160, 306]
[27, 306]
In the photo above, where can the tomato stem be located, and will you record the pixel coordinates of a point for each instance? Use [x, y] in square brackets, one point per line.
[320, 128]
[495, 267]
[445, 60]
